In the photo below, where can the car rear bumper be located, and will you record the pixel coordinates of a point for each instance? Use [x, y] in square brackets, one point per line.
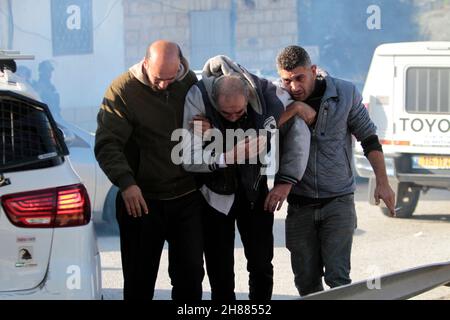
[399, 172]
[74, 271]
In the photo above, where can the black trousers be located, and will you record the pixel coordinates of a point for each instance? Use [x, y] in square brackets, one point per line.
[255, 227]
[142, 239]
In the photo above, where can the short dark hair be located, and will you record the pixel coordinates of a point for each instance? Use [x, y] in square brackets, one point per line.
[292, 57]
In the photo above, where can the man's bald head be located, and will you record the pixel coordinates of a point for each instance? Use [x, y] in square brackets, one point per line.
[162, 62]
[162, 49]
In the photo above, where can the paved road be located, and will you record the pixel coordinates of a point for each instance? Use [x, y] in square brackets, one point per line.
[381, 245]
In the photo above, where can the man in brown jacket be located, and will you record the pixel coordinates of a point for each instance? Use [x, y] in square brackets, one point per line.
[158, 199]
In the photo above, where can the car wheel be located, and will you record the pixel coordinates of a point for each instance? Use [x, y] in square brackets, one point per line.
[407, 198]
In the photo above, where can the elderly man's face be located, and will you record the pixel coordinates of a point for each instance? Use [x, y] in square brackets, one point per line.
[232, 107]
[161, 75]
[300, 81]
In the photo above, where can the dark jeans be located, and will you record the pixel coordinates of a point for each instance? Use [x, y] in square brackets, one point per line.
[318, 239]
[142, 239]
[255, 227]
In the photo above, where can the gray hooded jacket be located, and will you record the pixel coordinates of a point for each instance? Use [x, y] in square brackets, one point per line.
[330, 166]
[295, 135]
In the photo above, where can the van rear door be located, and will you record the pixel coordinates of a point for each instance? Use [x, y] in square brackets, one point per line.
[422, 109]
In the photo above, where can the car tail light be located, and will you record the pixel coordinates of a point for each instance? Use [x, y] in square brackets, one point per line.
[49, 208]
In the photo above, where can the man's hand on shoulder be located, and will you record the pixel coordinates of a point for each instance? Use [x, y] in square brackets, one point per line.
[301, 109]
[306, 112]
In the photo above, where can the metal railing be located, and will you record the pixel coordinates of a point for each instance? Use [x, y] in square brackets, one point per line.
[395, 286]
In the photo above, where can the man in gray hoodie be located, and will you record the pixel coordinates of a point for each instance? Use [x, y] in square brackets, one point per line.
[235, 190]
[321, 214]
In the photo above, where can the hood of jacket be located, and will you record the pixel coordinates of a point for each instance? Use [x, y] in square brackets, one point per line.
[220, 66]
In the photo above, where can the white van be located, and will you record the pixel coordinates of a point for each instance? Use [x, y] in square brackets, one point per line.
[407, 93]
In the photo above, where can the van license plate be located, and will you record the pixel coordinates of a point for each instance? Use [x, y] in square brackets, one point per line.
[431, 162]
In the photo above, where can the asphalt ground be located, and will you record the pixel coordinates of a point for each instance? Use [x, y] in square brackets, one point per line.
[381, 245]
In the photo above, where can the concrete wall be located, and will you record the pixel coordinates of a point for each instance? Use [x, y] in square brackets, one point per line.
[80, 80]
[147, 21]
[262, 27]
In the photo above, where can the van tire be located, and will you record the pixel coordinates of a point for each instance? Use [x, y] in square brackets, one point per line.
[407, 198]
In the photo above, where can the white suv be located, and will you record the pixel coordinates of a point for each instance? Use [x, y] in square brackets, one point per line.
[48, 248]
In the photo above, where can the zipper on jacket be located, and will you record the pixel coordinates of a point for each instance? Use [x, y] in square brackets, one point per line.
[320, 121]
[258, 180]
[313, 150]
[315, 171]
[175, 115]
[166, 93]
[324, 120]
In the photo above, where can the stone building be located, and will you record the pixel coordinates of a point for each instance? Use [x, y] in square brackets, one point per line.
[250, 31]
